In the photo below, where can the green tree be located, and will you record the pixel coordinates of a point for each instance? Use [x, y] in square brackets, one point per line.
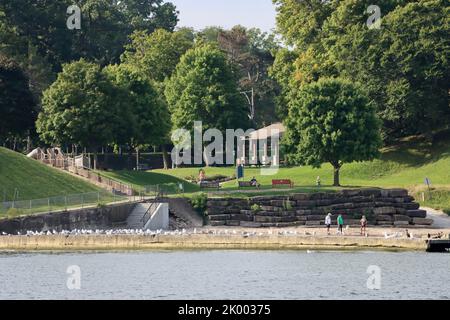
[404, 65]
[145, 111]
[17, 105]
[158, 53]
[300, 21]
[331, 121]
[80, 108]
[105, 26]
[203, 88]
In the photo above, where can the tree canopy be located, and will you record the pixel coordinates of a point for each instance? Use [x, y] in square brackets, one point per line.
[403, 65]
[203, 88]
[17, 105]
[79, 108]
[331, 121]
[158, 53]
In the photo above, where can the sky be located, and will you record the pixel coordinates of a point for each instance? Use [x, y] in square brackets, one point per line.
[226, 13]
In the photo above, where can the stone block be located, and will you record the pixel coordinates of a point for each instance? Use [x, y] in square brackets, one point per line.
[303, 212]
[317, 196]
[401, 223]
[351, 193]
[246, 224]
[324, 202]
[306, 204]
[220, 217]
[263, 219]
[241, 217]
[411, 206]
[422, 221]
[371, 192]
[396, 193]
[398, 217]
[301, 196]
[233, 223]
[384, 218]
[270, 208]
[384, 210]
[416, 213]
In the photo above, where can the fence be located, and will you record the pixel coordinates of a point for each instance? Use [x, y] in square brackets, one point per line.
[161, 190]
[51, 204]
[111, 185]
[82, 200]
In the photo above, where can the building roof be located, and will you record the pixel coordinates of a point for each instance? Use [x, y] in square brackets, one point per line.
[268, 132]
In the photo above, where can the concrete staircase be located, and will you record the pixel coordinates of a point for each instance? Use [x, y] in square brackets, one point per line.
[135, 219]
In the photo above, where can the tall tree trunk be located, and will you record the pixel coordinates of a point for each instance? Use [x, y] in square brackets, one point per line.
[165, 157]
[29, 146]
[337, 169]
[95, 159]
[137, 158]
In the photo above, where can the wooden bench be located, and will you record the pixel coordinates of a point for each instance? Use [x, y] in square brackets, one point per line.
[284, 182]
[209, 185]
[247, 184]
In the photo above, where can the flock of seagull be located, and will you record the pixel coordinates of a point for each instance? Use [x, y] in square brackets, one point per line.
[183, 232]
[141, 232]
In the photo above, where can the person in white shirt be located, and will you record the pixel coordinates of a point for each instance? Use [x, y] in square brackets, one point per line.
[328, 223]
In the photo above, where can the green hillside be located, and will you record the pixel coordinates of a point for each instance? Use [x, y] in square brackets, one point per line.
[34, 180]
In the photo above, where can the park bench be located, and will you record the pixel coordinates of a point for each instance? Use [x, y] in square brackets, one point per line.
[209, 185]
[284, 182]
[247, 184]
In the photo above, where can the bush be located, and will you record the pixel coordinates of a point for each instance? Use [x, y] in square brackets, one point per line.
[13, 212]
[256, 208]
[199, 202]
[287, 205]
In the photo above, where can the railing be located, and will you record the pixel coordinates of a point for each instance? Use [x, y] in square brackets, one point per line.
[149, 213]
[69, 164]
[59, 203]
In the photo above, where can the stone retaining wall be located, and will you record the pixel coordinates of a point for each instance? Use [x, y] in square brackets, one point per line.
[89, 218]
[381, 207]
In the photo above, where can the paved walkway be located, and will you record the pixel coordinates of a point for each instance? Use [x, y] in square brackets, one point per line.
[441, 219]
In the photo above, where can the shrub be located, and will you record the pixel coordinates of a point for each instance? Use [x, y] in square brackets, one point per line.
[13, 212]
[287, 205]
[199, 202]
[256, 208]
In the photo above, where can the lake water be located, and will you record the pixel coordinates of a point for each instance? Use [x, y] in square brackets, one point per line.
[225, 275]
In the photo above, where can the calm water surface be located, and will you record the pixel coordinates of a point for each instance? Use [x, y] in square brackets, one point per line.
[225, 275]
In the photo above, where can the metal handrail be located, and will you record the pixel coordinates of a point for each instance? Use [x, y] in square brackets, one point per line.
[151, 209]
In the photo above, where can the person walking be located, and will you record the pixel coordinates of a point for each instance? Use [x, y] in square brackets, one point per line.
[328, 223]
[340, 222]
[363, 225]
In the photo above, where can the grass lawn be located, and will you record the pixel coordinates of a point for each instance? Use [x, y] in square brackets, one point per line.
[405, 165]
[34, 180]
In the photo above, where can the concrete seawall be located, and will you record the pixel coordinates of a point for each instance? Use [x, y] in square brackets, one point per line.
[88, 218]
[202, 242]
